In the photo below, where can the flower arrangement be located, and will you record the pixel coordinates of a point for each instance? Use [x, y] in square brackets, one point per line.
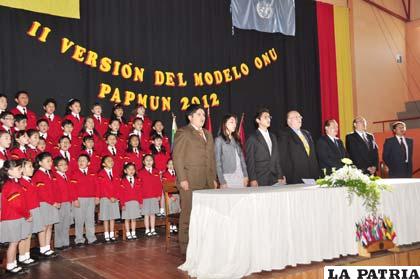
[373, 229]
[357, 183]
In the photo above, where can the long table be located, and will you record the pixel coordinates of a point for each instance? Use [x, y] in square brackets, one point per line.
[236, 232]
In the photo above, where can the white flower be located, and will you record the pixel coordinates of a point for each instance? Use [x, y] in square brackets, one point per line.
[347, 161]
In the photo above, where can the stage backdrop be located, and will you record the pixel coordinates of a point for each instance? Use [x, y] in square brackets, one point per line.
[164, 54]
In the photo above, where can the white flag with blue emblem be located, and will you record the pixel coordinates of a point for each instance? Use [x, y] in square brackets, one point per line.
[273, 16]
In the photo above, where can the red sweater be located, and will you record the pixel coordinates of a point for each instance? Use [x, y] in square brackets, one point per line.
[101, 125]
[73, 160]
[17, 154]
[32, 153]
[31, 193]
[129, 193]
[54, 130]
[46, 187]
[30, 115]
[167, 176]
[136, 159]
[118, 160]
[85, 186]
[105, 187]
[161, 160]
[95, 160]
[151, 184]
[77, 124]
[13, 202]
[65, 189]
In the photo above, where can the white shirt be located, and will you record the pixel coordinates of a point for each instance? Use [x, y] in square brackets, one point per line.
[89, 151]
[27, 178]
[109, 172]
[76, 115]
[363, 135]
[267, 139]
[90, 132]
[62, 174]
[7, 129]
[45, 171]
[137, 133]
[22, 109]
[112, 149]
[405, 144]
[67, 135]
[31, 146]
[332, 138]
[65, 154]
[22, 148]
[43, 135]
[149, 169]
[130, 178]
[172, 172]
[98, 117]
[50, 116]
[84, 170]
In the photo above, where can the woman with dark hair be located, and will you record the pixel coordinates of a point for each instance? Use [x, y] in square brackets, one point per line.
[230, 161]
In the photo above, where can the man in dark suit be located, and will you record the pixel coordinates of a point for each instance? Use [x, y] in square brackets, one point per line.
[262, 155]
[195, 165]
[297, 151]
[330, 149]
[362, 147]
[398, 152]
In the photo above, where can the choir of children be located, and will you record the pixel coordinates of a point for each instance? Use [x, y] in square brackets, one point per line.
[54, 172]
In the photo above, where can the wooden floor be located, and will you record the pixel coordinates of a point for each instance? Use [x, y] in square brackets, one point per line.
[147, 258]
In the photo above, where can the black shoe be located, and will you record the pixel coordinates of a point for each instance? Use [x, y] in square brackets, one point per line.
[80, 245]
[96, 242]
[59, 248]
[49, 254]
[16, 270]
[113, 239]
[28, 263]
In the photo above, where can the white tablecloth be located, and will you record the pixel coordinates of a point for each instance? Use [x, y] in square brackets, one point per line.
[235, 232]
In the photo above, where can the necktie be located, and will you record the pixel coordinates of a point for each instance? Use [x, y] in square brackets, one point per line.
[66, 156]
[201, 132]
[403, 149]
[113, 151]
[131, 181]
[365, 139]
[65, 177]
[48, 173]
[78, 118]
[89, 152]
[84, 172]
[98, 118]
[24, 151]
[5, 154]
[110, 175]
[24, 111]
[305, 144]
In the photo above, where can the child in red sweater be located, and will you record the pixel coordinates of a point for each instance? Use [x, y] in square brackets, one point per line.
[84, 211]
[14, 213]
[151, 193]
[174, 201]
[107, 187]
[49, 200]
[130, 197]
[32, 203]
[66, 196]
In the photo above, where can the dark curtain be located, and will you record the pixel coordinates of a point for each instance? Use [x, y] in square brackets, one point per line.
[181, 36]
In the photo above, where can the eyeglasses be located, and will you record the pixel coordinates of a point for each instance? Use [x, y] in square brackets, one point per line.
[296, 117]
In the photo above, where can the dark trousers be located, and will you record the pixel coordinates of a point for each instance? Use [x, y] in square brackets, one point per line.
[184, 219]
[402, 172]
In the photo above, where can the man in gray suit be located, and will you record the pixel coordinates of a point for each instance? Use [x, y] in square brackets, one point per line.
[262, 155]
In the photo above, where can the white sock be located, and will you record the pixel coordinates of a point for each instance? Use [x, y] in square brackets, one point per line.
[22, 258]
[128, 233]
[162, 210]
[43, 249]
[106, 234]
[48, 247]
[133, 232]
[10, 266]
[147, 231]
[111, 234]
[27, 255]
[152, 230]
